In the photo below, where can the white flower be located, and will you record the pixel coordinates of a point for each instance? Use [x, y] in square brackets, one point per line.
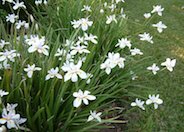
[10, 117]
[170, 64]
[11, 107]
[136, 51]
[79, 49]
[110, 19]
[19, 24]
[146, 37]
[158, 9]
[38, 2]
[81, 40]
[84, 23]
[101, 10]
[112, 61]
[160, 26]
[154, 68]
[94, 115]
[8, 55]
[60, 53]
[53, 73]
[86, 8]
[105, 4]
[18, 4]
[69, 43]
[11, 18]
[91, 38]
[30, 69]
[124, 42]
[112, 7]
[117, 1]
[138, 103]
[106, 66]
[69, 57]
[26, 25]
[121, 62]
[5, 65]
[3, 93]
[37, 44]
[66, 66]
[155, 100]
[72, 72]
[115, 59]
[10, 1]
[82, 97]
[45, 2]
[3, 43]
[147, 15]
[76, 24]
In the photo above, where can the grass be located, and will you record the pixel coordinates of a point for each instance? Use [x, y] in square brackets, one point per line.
[170, 86]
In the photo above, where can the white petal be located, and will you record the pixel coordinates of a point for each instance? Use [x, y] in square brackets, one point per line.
[155, 106]
[77, 102]
[133, 104]
[74, 77]
[108, 70]
[47, 77]
[67, 76]
[99, 114]
[31, 49]
[148, 101]
[59, 76]
[73, 52]
[170, 68]
[159, 101]
[173, 62]
[30, 74]
[75, 94]
[90, 118]
[37, 69]
[82, 75]
[11, 124]
[91, 97]
[86, 102]
[142, 107]
[99, 119]
[84, 27]
[45, 52]
[79, 64]
[2, 121]
[2, 58]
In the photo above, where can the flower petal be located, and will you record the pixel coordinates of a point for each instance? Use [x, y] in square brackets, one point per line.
[77, 102]
[74, 77]
[149, 101]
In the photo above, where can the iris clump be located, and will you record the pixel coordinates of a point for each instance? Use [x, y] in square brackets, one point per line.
[67, 64]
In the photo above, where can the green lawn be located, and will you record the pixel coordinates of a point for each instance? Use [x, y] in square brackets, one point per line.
[170, 86]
